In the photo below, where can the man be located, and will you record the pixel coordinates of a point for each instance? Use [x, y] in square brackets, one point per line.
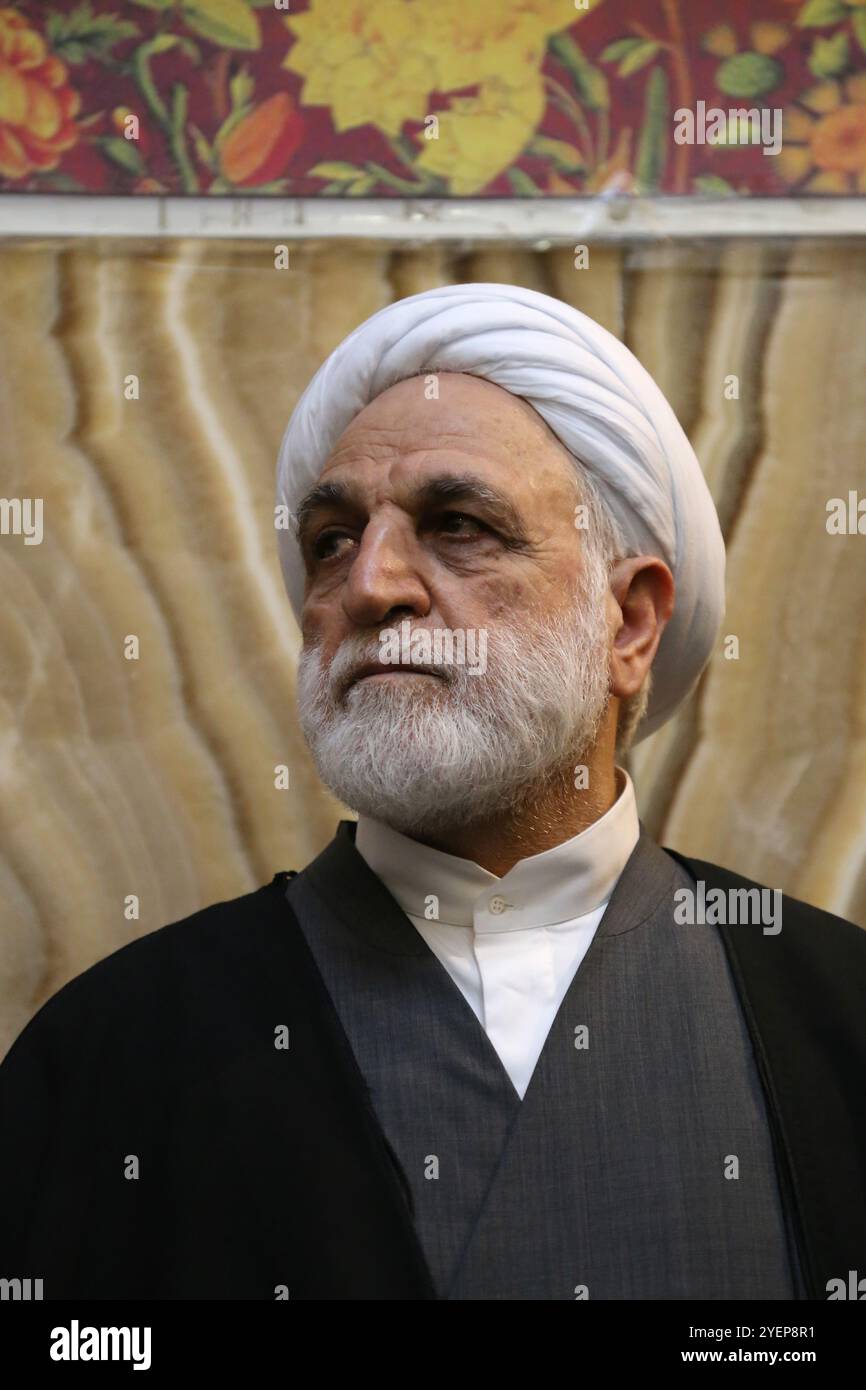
[493, 1042]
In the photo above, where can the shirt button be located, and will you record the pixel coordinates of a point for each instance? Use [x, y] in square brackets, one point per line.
[497, 905]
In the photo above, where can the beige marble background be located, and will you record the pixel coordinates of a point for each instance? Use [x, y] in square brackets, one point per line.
[155, 777]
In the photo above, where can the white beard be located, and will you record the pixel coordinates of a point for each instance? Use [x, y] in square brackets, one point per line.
[426, 754]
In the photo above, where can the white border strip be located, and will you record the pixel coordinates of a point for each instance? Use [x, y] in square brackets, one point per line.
[541, 222]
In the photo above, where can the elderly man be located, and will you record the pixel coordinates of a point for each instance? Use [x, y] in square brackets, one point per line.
[493, 1042]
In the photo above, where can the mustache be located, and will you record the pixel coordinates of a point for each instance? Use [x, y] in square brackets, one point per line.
[360, 653]
[355, 656]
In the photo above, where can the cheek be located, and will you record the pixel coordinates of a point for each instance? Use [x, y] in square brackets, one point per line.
[321, 593]
[510, 598]
[480, 602]
[319, 623]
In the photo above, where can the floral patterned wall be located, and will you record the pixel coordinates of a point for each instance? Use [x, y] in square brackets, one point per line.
[495, 98]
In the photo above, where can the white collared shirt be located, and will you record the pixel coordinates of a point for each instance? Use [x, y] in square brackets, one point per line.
[511, 944]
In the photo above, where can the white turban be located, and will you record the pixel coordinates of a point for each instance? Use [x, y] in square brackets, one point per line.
[594, 395]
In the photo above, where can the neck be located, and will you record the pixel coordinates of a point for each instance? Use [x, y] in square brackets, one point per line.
[555, 813]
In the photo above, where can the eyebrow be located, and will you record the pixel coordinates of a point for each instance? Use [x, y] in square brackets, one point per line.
[447, 487]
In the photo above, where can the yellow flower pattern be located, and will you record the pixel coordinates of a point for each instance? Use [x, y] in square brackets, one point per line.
[363, 60]
[37, 104]
[825, 138]
[379, 64]
[483, 134]
[430, 98]
[470, 43]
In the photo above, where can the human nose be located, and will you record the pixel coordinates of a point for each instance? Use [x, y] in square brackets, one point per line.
[384, 575]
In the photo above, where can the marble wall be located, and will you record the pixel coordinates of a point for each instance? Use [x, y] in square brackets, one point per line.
[155, 776]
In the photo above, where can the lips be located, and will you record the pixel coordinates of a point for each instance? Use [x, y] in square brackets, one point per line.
[375, 668]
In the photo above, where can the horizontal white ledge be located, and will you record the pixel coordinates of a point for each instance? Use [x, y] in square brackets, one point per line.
[540, 223]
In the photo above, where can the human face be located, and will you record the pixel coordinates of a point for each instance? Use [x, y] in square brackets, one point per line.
[455, 514]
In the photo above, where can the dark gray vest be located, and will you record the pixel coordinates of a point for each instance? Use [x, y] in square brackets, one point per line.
[639, 1165]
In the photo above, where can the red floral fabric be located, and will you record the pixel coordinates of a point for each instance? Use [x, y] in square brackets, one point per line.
[381, 98]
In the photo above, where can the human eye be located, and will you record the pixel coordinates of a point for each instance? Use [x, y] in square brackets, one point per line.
[322, 547]
[448, 520]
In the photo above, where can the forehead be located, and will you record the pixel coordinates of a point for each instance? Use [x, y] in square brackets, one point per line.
[416, 423]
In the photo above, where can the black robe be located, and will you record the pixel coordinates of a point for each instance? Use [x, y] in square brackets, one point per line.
[263, 1170]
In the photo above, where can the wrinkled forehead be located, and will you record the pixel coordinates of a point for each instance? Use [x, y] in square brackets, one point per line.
[434, 416]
